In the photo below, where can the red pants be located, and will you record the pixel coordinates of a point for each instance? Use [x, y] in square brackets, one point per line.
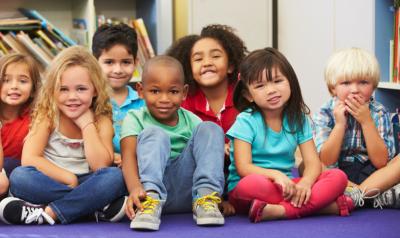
[326, 189]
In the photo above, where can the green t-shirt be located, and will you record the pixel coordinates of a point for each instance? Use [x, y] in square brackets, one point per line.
[137, 120]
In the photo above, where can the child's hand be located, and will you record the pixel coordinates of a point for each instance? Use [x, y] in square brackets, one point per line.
[339, 112]
[287, 185]
[117, 159]
[85, 119]
[134, 199]
[303, 194]
[358, 108]
[227, 209]
[226, 149]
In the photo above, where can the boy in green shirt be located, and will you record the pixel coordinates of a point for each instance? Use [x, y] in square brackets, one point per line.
[172, 162]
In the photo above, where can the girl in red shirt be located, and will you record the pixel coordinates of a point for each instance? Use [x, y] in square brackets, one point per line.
[210, 62]
[19, 84]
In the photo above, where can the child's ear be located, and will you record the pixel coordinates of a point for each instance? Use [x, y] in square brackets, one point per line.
[230, 69]
[247, 95]
[139, 89]
[185, 91]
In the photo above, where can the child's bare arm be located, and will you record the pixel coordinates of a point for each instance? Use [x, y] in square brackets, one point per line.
[97, 140]
[330, 150]
[131, 174]
[32, 155]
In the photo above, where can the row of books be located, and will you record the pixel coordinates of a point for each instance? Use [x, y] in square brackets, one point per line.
[145, 48]
[33, 35]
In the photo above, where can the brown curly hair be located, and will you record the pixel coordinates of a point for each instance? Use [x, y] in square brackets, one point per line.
[225, 35]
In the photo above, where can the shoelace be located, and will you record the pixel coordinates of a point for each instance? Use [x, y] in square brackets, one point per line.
[384, 199]
[359, 195]
[149, 205]
[208, 201]
[35, 215]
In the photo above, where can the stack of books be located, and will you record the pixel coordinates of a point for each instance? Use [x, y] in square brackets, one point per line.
[33, 35]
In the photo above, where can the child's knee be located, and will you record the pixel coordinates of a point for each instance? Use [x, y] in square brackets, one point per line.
[211, 129]
[153, 132]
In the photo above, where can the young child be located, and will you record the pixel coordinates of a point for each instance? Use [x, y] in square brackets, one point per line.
[180, 158]
[353, 131]
[115, 47]
[20, 82]
[211, 62]
[68, 151]
[272, 123]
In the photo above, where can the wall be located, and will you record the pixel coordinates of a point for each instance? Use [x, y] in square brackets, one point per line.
[309, 31]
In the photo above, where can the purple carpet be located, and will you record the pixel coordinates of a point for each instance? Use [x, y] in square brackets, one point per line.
[363, 223]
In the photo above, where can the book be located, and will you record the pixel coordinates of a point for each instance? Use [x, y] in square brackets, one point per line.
[141, 28]
[48, 41]
[35, 50]
[10, 40]
[33, 14]
[3, 48]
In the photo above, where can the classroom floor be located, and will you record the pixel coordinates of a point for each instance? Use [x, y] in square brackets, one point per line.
[368, 223]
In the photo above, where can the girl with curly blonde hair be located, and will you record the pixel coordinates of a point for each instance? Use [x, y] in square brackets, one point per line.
[68, 152]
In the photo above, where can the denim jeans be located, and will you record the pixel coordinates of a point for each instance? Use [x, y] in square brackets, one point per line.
[95, 190]
[180, 180]
[10, 164]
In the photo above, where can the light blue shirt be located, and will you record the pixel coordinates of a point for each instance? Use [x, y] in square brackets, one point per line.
[132, 101]
[269, 149]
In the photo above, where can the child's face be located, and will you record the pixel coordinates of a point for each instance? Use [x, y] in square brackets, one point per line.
[17, 85]
[360, 88]
[270, 96]
[76, 92]
[163, 90]
[118, 65]
[209, 63]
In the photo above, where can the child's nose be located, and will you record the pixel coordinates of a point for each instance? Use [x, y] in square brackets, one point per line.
[117, 68]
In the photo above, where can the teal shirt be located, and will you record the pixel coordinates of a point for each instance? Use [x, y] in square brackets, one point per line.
[132, 101]
[137, 120]
[269, 149]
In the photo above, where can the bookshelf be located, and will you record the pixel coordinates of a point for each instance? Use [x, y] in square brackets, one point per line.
[387, 93]
[157, 15]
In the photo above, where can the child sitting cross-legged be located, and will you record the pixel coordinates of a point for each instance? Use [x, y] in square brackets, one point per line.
[171, 161]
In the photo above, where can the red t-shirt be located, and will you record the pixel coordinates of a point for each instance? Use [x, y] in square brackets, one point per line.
[197, 103]
[13, 135]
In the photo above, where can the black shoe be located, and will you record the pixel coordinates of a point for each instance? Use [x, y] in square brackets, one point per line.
[114, 211]
[16, 211]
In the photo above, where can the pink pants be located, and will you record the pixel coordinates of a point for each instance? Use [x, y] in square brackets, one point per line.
[326, 189]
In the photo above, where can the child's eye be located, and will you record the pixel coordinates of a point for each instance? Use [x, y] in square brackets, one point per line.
[80, 89]
[364, 82]
[127, 62]
[345, 83]
[216, 56]
[197, 59]
[154, 91]
[63, 89]
[258, 86]
[174, 91]
[108, 62]
[278, 80]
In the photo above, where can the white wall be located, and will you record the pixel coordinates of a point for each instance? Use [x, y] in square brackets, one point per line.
[252, 19]
[309, 31]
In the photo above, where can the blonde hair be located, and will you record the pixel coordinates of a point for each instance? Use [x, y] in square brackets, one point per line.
[33, 70]
[351, 64]
[46, 107]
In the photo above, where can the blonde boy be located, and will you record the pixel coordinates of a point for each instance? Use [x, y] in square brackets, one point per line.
[353, 131]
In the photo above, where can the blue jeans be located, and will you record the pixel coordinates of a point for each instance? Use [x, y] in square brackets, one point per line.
[10, 164]
[197, 171]
[95, 190]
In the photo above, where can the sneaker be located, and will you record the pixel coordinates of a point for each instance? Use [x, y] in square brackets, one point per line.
[358, 196]
[114, 211]
[389, 199]
[17, 211]
[256, 209]
[206, 212]
[149, 218]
